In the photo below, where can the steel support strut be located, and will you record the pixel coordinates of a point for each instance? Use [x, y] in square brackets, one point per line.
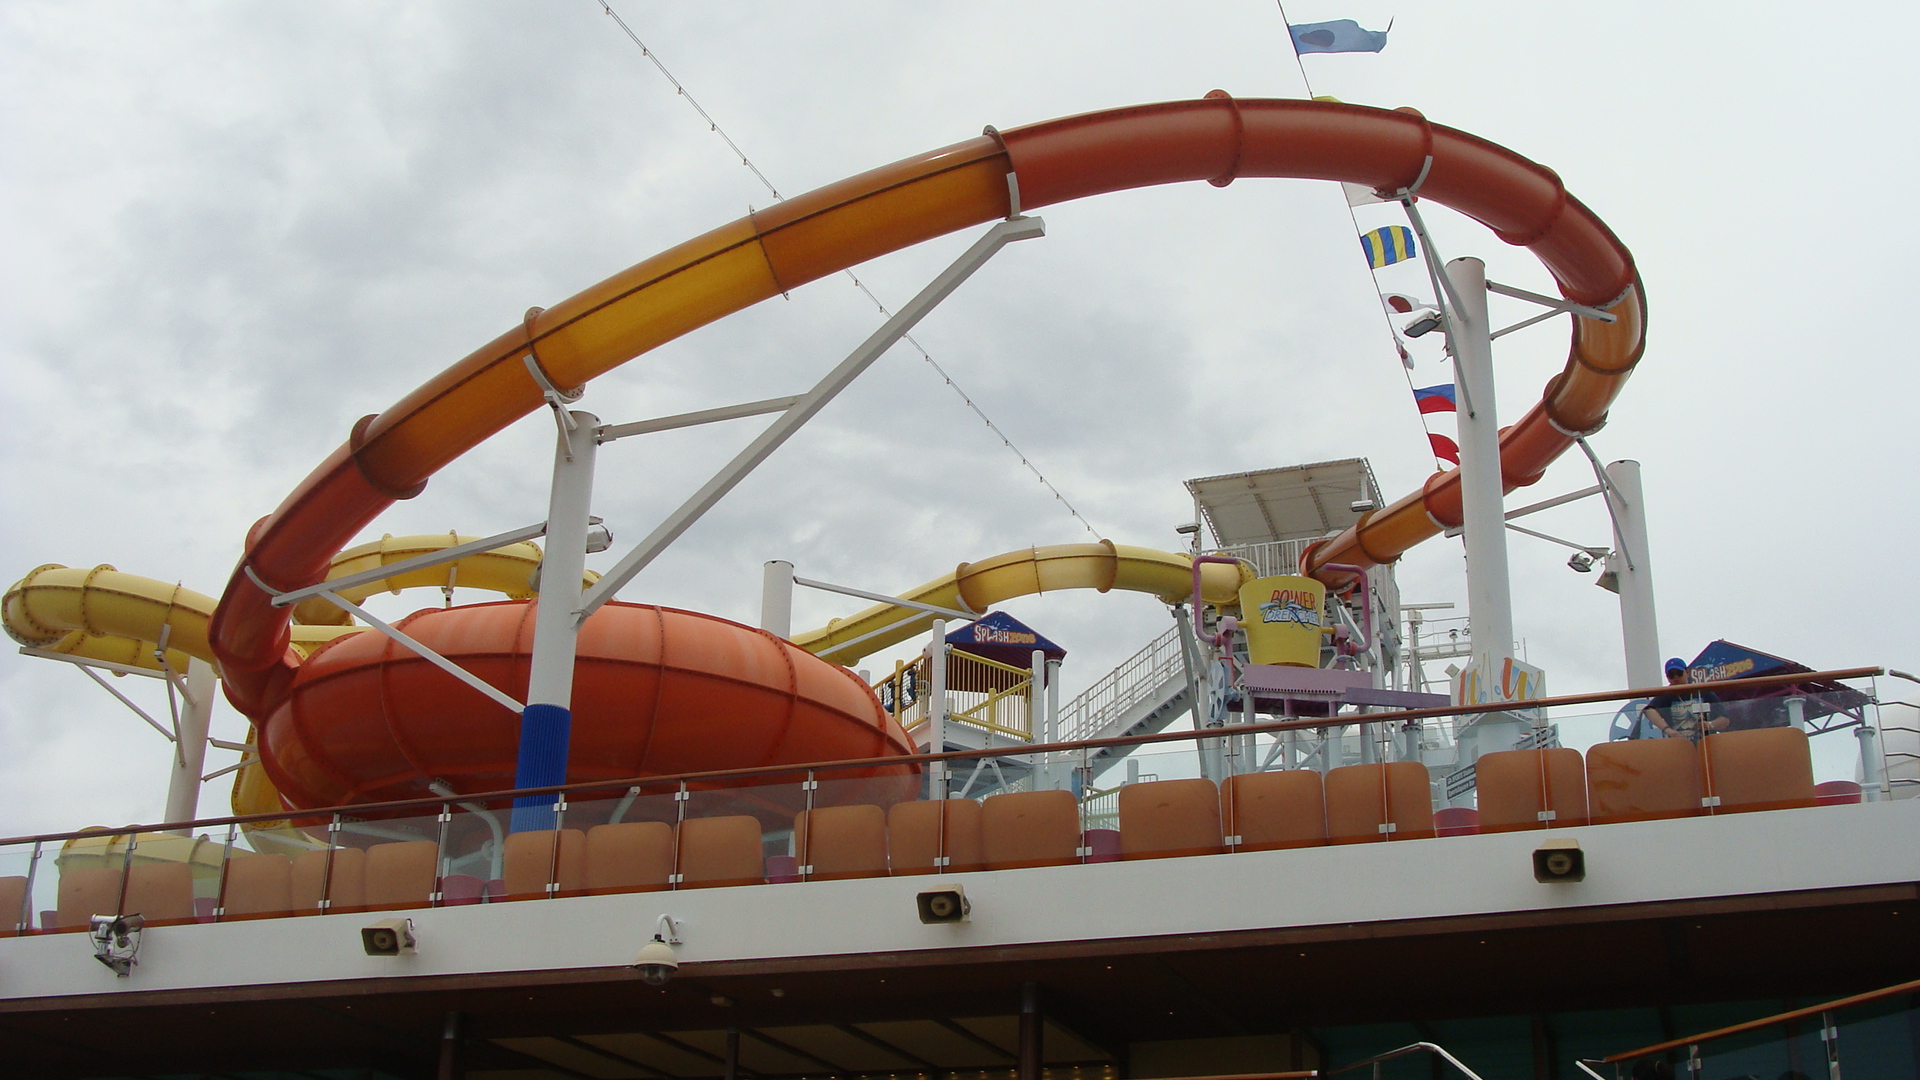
[808, 405]
[546, 725]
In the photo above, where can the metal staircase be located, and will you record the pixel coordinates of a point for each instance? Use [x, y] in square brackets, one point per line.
[1141, 696]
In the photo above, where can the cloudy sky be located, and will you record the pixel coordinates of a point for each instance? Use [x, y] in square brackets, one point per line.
[232, 229]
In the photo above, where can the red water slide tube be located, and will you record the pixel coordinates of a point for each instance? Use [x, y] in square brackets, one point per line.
[1218, 139]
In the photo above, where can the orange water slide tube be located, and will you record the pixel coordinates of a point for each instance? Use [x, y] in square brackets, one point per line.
[392, 455]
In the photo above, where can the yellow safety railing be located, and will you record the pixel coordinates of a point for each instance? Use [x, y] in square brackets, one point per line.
[981, 693]
[1000, 695]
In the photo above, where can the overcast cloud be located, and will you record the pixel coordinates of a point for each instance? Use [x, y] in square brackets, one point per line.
[231, 229]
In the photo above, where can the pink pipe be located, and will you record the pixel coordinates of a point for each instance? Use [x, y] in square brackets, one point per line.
[1199, 628]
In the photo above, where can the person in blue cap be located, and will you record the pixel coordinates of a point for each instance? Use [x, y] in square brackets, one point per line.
[1686, 716]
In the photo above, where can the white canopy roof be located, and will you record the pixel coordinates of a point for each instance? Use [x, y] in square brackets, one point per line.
[1294, 503]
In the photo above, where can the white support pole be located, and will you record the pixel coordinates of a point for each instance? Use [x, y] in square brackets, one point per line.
[1873, 773]
[1037, 717]
[190, 753]
[776, 597]
[1057, 770]
[1633, 569]
[937, 707]
[1037, 696]
[546, 724]
[1489, 595]
[1053, 701]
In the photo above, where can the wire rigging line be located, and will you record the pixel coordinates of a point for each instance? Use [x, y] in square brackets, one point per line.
[714, 126]
[1373, 273]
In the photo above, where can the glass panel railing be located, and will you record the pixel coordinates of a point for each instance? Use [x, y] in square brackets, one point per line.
[1879, 1040]
[258, 873]
[1866, 1037]
[88, 875]
[1768, 1052]
[164, 877]
[844, 831]
[671, 834]
[387, 862]
[18, 880]
[607, 840]
[473, 855]
[739, 831]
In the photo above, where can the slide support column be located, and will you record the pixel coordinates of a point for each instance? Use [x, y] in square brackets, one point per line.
[190, 753]
[1633, 571]
[937, 708]
[546, 727]
[776, 597]
[1482, 500]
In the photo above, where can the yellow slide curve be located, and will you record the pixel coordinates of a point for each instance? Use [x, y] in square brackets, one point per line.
[977, 586]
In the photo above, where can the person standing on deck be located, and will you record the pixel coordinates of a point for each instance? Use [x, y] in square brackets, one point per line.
[1686, 716]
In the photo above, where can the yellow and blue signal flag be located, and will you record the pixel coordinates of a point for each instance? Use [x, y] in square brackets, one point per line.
[1388, 245]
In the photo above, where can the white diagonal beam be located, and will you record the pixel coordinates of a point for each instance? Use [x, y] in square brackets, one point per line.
[407, 566]
[424, 652]
[808, 406]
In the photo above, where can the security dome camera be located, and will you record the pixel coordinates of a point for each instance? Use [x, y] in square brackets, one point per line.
[656, 963]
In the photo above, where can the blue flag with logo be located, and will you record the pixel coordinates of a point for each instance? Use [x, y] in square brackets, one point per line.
[1388, 245]
[1341, 35]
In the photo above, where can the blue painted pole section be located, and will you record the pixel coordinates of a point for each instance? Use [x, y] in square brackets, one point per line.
[545, 731]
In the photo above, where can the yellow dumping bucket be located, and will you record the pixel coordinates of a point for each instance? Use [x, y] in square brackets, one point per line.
[1281, 615]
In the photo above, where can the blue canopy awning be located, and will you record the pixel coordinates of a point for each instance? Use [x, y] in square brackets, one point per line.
[1001, 637]
[1763, 706]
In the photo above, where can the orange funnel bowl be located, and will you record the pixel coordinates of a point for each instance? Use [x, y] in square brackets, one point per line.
[656, 691]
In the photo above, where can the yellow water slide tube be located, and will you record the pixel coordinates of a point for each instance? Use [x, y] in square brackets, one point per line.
[507, 570]
[977, 586]
[104, 614]
[59, 607]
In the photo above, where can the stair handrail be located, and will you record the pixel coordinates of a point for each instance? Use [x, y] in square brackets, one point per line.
[1120, 688]
[1766, 1021]
[1411, 1048]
